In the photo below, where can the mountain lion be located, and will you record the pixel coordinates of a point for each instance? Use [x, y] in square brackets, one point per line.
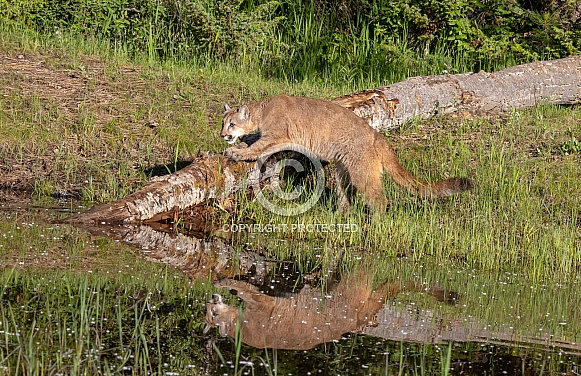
[334, 134]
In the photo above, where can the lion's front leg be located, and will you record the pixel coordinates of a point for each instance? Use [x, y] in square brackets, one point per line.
[250, 153]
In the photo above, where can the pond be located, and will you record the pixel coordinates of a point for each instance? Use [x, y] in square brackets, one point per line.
[152, 300]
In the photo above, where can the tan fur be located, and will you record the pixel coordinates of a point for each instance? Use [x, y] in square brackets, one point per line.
[334, 134]
[303, 320]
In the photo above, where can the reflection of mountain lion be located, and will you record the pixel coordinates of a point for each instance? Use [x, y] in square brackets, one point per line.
[333, 133]
[304, 319]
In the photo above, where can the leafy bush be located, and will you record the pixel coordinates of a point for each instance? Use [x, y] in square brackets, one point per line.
[219, 29]
[336, 40]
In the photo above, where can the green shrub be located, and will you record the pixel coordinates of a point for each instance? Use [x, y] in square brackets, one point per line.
[357, 41]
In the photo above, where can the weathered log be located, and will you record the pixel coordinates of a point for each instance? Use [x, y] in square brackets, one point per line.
[388, 107]
[215, 177]
[207, 177]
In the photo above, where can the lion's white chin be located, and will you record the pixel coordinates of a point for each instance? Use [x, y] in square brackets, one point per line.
[232, 141]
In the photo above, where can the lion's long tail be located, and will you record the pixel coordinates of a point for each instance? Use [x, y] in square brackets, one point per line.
[420, 187]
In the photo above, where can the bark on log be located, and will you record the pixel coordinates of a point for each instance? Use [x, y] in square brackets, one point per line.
[207, 177]
[215, 177]
[388, 107]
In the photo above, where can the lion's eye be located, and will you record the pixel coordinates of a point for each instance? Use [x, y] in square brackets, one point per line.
[231, 125]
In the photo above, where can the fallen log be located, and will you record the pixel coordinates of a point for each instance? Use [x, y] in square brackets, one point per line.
[388, 107]
[385, 108]
[207, 177]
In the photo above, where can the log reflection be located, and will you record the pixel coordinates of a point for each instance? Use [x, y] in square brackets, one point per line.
[304, 317]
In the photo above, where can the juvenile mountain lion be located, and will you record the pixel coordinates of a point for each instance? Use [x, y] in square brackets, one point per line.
[335, 134]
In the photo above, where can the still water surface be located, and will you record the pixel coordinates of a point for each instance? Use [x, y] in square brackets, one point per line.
[247, 313]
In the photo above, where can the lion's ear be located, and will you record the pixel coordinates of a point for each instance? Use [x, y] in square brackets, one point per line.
[224, 327]
[244, 112]
[226, 107]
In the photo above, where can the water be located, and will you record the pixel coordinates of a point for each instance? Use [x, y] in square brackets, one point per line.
[298, 317]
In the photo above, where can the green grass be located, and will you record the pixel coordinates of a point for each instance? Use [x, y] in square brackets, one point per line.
[359, 57]
[98, 123]
[76, 115]
[68, 323]
[117, 120]
[356, 44]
